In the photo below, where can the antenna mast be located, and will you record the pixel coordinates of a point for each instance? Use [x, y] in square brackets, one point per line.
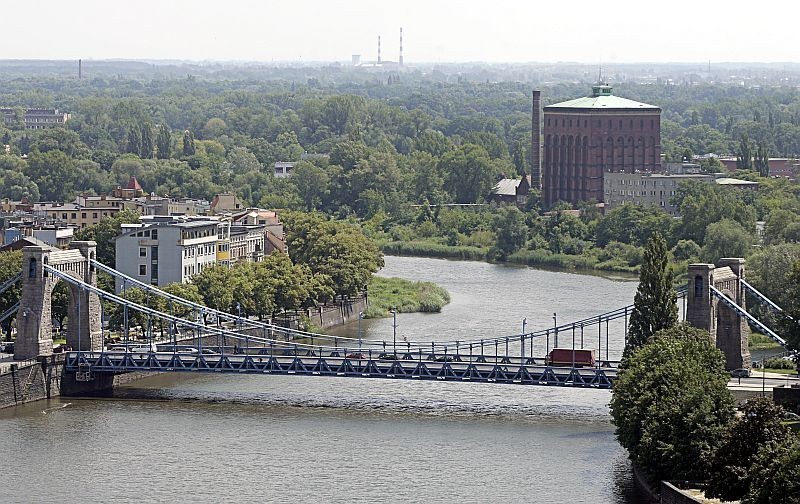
[379, 48]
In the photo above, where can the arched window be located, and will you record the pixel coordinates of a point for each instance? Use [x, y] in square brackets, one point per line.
[698, 286]
[32, 268]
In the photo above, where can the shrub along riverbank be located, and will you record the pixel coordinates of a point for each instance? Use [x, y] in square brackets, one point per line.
[405, 295]
[540, 257]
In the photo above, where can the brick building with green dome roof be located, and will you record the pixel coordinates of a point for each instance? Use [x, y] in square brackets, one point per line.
[587, 137]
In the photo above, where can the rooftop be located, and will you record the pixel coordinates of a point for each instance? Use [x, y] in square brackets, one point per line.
[602, 98]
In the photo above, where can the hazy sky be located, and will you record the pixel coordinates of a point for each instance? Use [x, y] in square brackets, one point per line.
[496, 30]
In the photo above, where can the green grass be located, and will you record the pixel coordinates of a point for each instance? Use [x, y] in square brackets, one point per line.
[407, 296]
[782, 371]
[759, 341]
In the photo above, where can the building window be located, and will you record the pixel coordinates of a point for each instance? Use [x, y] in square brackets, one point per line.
[94, 215]
[142, 252]
[155, 234]
[74, 215]
[142, 270]
[83, 215]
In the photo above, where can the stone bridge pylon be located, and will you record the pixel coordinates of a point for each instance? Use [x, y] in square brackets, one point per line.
[705, 311]
[34, 317]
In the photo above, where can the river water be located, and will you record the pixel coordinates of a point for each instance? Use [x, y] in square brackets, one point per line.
[207, 438]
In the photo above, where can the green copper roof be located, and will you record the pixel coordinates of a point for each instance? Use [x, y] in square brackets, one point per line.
[602, 98]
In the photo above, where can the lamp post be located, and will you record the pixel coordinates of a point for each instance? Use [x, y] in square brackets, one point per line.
[360, 318]
[555, 330]
[522, 343]
[394, 331]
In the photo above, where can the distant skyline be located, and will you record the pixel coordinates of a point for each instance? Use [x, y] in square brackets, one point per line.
[621, 31]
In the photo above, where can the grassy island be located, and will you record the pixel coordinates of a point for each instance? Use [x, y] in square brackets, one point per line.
[408, 296]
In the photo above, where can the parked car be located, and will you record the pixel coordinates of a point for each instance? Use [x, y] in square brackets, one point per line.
[357, 355]
[740, 373]
[444, 358]
[8, 347]
[387, 356]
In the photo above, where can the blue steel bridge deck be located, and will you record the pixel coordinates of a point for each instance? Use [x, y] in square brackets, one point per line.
[479, 369]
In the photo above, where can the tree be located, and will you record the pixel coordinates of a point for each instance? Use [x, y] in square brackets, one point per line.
[655, 304]
[337, 250]
[761, 423]
[104, 233]
[761, 161]
[134, 141]
[216, 285]
[775, 474]
[685, 250]
[512, 232]
[163, 142]
[726, 238]
[469, 174]
[10, 265]
[147, 144]
[671, 404]
[790, 320]
[744, 155]
[311, 183]
[189, 148]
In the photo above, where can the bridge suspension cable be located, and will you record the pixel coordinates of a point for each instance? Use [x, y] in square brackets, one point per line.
[743, 313]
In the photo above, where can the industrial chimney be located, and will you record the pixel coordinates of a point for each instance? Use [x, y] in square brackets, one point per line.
[536, 141]
[379, 49]
[79, 70]
[400, 61]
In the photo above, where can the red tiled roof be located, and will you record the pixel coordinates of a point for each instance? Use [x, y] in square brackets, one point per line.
[133, 184]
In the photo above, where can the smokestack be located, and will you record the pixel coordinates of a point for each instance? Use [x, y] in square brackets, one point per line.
[536, 141]
[79, 70]
[401, 47]
[379, 48]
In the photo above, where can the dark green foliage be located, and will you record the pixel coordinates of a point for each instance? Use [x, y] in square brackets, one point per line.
[671, 404]
[511, 231]
[744, 156]
[761, 423]
[335, 249]
[189, 148]
[775, 474]
[163, 142]
[10, 265]
[790, 320]
[655, 305]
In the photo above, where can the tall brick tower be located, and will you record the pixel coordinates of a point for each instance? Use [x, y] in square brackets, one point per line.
[587, 137]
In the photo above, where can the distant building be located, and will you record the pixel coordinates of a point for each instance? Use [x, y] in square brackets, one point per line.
[130, 191]
[657, 190]
[587, 138]
[86, 210]
[648, 189]
[284, 168]
[225, 202]
[35, 118]
[512, 191]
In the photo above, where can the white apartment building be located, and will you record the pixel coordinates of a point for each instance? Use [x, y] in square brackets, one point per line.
[164, 250]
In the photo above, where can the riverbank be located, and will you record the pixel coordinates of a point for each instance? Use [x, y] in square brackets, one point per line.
[543, 258]
[406, 296]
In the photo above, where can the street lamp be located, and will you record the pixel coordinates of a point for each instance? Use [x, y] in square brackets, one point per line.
[360, 318]
[555, 330]
[394, 331]
[522, 343]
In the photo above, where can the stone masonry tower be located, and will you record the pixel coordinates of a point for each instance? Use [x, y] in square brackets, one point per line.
[34, 318]
[704, 311]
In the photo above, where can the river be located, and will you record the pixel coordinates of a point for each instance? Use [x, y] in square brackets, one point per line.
[247, 438]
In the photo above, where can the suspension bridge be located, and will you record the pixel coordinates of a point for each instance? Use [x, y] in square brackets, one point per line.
[199, 339]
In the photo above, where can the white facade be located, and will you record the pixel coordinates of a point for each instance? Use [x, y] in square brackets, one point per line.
[161, 253]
